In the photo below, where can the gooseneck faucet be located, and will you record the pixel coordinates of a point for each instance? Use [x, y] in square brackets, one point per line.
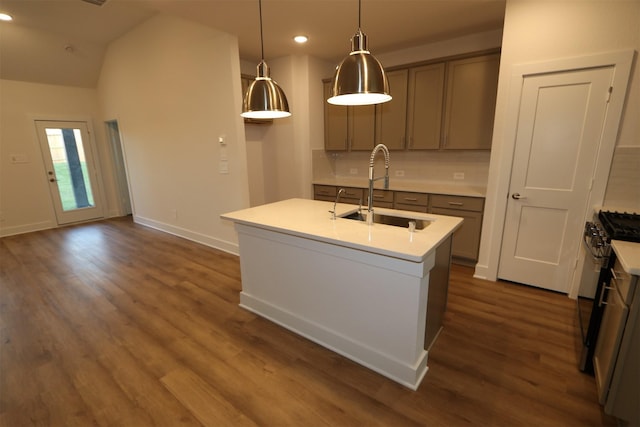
[372, 178]
[333, 212]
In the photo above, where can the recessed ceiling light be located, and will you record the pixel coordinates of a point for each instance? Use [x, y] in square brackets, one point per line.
[5, 17]
[301, 39]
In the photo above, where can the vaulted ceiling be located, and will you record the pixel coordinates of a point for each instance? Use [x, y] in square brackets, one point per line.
[63, 41]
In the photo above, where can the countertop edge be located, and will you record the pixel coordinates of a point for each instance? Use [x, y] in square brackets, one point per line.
[628, 253]
[341, 232]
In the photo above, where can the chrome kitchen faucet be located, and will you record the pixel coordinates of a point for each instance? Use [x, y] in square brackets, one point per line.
[372, 179]
[333, 212]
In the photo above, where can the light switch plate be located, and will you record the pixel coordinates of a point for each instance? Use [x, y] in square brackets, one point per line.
[223, 166]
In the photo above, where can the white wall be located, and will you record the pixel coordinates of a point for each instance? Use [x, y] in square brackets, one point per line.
[536, 31]
[174, 87]
[279, 154]
[25, 202]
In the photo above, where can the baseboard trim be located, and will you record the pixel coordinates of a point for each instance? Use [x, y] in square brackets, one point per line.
[204, 239]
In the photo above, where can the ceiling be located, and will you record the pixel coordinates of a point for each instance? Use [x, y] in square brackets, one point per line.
[63, 41]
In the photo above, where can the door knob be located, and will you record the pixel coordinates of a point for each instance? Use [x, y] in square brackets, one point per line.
[517, 196]
[52, 180]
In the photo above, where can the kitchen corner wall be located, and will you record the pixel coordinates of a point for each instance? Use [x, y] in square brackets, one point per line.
[279, 154]
[174, 87]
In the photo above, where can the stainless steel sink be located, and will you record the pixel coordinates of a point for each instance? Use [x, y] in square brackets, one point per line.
[396, 221]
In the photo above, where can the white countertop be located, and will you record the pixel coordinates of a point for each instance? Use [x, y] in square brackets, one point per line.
[628, 254]
[409, 185]
[311, 219]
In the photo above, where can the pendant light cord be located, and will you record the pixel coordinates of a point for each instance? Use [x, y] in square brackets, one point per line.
[359, 14]
[261, 36]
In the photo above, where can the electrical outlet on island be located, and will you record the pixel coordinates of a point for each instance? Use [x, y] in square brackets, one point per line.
[458, 175]
[353, 171]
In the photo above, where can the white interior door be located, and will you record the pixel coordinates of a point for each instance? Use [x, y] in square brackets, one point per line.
[68, 158]
[559, 131]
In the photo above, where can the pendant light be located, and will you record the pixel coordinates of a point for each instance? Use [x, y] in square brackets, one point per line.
[360, 78]
[264, 99]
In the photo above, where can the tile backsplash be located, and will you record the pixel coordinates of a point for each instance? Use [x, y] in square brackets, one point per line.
[623, 187]
[469, 167]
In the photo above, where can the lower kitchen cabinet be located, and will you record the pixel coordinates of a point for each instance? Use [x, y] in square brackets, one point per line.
[381, 198]
[324, 192]
[410, 201]
[466, 241]
[617, 352]
[351, 195]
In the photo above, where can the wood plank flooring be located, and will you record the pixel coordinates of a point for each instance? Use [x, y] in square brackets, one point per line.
[115, 324]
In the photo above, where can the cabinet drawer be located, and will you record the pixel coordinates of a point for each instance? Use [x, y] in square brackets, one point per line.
[382, 196]
[474, 204]
[412, 208]
[351, 193]
[408, 198]
[324, 191]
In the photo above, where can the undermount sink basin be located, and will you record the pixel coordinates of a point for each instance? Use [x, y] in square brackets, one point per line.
[396, 221]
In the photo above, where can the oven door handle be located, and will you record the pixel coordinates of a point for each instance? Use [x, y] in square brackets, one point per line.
[602, 302]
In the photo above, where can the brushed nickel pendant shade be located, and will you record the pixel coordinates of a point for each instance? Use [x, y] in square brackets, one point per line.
[264, 99]
[360, 78]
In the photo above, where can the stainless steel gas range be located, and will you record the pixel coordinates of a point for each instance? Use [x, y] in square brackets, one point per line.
[596, 276]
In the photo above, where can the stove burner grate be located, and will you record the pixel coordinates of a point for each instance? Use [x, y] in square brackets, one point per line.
[621, 226]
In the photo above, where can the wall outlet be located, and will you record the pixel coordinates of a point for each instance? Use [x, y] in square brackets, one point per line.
[353, 171]
[174, 213]
[399, 173]
[458, 175]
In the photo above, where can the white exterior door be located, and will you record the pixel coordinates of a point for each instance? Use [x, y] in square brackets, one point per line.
[558, 136]
[71, 174]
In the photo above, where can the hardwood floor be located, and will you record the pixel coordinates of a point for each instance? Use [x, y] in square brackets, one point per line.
[112, 323]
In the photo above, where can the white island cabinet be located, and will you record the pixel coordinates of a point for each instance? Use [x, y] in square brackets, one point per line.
[373, 293]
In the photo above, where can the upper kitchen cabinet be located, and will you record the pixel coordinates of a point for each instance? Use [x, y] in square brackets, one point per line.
[424, 112]
[470, 102]
[446, 104]
[336, 129]
[391, 117]
[347, 127]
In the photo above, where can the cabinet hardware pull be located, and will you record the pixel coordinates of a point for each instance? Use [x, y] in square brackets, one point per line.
[410, 199]
[456, 203]
[378, 196]
[602, 301]
[614, 275]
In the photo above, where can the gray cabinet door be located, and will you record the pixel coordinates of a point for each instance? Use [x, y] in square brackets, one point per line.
[472, 85]
[336, 131]
[424, 106]
[391, 116]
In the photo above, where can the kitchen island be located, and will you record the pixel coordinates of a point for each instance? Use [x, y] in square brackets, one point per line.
[373, 293]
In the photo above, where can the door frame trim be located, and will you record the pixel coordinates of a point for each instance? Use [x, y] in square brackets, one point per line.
[501, 161]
